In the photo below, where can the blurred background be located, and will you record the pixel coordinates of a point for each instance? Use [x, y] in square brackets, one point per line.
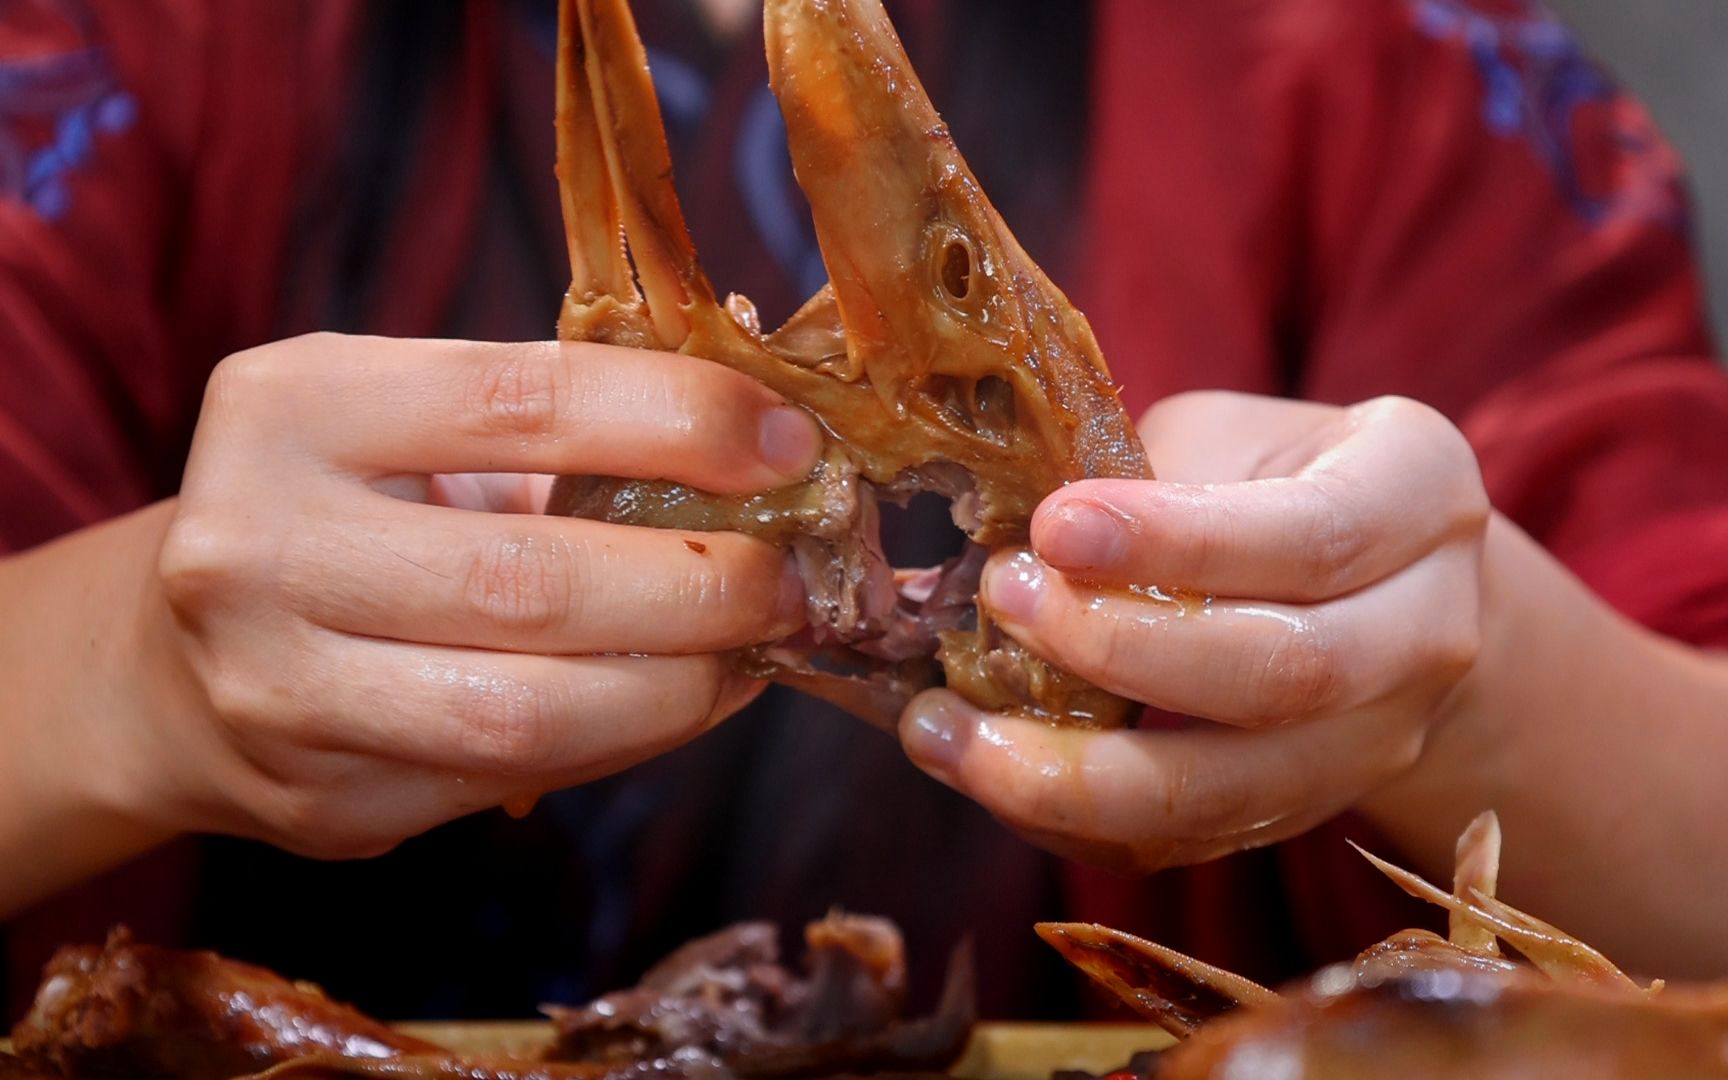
[1674, 54]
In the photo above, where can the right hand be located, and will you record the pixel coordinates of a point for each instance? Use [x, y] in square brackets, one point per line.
[356, 655]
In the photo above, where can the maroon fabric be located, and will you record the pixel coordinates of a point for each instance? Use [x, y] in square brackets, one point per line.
[1364, 232]
[1309, 197]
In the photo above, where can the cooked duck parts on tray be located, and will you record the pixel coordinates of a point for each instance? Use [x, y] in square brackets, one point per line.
[721, 1007]
[131, 1010]
[1419, 1005]
[727, 996]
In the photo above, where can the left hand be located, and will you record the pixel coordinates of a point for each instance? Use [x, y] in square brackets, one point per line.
[1302, 579]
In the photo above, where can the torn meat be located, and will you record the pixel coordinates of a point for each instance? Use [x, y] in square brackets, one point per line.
[726, 999]
[140, 1012]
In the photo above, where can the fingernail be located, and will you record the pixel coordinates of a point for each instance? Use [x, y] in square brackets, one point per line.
[933, 734]
[1083, 536]
[1013, 588]
[789, 441]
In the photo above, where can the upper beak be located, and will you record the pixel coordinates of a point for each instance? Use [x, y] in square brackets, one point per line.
[870, 153]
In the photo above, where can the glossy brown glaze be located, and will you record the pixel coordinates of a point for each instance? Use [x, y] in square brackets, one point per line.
[1418, 1005]
[940, 358]
[1455, 1026]
[137, 1011]
[720, 1008]
[1176, 992]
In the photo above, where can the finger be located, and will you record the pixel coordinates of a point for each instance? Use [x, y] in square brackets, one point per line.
[1246, 662]
[485, 714]
[383, 405]
[540, 584]
[357, 806]
[1395, 482]
[492, 493]
[342, 804]
[1142, 800]
[1221, 436]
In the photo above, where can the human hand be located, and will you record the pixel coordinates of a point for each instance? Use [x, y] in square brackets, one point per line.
[357, 655]
[1303, 579]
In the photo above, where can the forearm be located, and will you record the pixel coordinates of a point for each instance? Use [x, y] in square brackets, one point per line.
[1602, 746]
[76, 655]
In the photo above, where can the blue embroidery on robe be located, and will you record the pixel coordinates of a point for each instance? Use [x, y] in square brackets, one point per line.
[53, 109]
[1535, 79]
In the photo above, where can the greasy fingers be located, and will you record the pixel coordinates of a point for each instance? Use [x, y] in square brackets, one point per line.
[1370, 490]
[1304, 579]
[504, 715]
[1138, 801]
[1248, 662]
[539, 584]
[358, 743]
[380, 406]
[360, 652]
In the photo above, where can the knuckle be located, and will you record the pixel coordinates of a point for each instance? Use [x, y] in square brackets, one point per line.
[1214, 813]
[719, 609]
[698, 411]
[1033, 804]
[683, 694]
[305, 818]
[1447, 445]
[198, 562]
[233, 700]
[1398, 411]
[257, 710]
[1190, 808]
[1191, 401]
[506, 727]
[1299, 677]
[1406, 750]
[518, 390]
[523, 584]
[1119, 647]
[265, 373]
[346, 848]
[1210, 547]
[1337, 542]
[1475, 509]
[1453, 651]
[1471, 506]
[313, 822]
[698, 705]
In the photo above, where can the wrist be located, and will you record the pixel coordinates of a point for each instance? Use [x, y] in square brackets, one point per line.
[1598, 743]
[82, 763]
[1485, 737]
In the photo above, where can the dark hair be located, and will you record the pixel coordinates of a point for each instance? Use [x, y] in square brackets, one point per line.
[1014, 88]
[408, 47]
[1017, 91]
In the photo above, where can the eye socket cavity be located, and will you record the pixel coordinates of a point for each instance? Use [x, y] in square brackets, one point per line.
[984, 407]
[957, 268]
[993, 404]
